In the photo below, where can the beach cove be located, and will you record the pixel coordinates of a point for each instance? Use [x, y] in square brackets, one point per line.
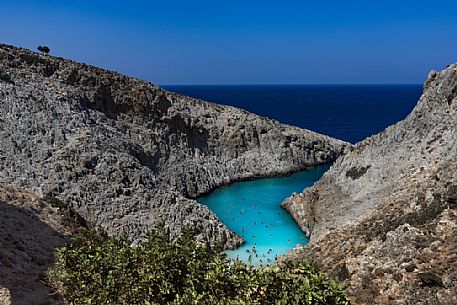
[252, 209]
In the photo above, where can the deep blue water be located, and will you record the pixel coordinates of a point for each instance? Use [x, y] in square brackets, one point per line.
[351, 113]
[346, 112]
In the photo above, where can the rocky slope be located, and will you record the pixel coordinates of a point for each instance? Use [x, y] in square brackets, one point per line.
[125, 153]
[30, 231]
[383, 218]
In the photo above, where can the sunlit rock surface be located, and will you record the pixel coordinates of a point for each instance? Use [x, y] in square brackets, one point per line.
[126, 154]
[383, 218]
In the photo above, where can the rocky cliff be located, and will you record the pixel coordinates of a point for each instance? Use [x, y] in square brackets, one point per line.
[383, 218]
[125, 153]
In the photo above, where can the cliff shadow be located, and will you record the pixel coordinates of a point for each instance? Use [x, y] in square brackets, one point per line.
[27, 246]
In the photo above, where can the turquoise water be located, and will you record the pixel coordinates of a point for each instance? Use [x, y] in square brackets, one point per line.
[252, 209]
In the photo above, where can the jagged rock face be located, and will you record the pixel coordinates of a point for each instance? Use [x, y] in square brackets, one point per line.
[126, 154]
[383, 218]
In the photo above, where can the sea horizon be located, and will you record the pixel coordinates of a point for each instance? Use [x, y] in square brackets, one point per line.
[346, 112]
[286, 84]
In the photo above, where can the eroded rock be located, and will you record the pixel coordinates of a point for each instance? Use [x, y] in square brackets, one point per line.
[392, 224]
[126, 154]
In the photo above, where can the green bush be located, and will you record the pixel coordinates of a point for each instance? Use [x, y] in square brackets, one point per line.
[6, 78]
[44, 49]
[356, 173]
[95, 270]
[55, 202]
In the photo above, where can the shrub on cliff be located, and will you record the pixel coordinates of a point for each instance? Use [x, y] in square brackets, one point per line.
[93, 270]
[6, 78]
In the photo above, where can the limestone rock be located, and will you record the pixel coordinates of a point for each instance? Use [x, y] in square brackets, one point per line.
[387, 210]
[5, 296]
[126, 154]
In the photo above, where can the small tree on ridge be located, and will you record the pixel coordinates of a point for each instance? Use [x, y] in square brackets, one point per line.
[44, 49]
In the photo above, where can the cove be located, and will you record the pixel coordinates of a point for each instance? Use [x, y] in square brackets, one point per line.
[252, 210]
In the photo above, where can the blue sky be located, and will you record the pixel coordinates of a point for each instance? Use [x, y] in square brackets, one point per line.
[243, 42]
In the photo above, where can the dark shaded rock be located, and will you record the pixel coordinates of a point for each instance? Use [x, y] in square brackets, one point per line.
[342, 272]
[31, 229]
[430, 278]
[409, 267]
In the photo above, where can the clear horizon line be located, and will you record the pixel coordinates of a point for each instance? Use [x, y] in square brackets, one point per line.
[295, 84]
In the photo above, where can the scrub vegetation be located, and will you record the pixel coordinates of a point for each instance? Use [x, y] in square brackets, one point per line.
[6, 78]
[356, 173]
[96, 270]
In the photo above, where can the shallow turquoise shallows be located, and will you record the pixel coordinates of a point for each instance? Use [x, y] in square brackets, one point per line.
[252, 209]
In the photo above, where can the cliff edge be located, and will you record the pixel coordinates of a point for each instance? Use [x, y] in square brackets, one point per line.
[383, 218]
[125, 154]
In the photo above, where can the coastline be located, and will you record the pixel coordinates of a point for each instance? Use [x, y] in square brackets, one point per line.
[157, 149]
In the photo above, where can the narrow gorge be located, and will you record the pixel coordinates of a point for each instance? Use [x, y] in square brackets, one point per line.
[82, 147]
[125, 154]
[119, 154]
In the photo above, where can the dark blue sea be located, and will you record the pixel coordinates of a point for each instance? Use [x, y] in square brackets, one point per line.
[352, 113]
[346, 112]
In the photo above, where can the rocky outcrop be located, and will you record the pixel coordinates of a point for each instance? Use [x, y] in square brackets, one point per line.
[383, 218]
[126, 154]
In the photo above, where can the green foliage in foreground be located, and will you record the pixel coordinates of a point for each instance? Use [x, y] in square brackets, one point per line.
[92, 270]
